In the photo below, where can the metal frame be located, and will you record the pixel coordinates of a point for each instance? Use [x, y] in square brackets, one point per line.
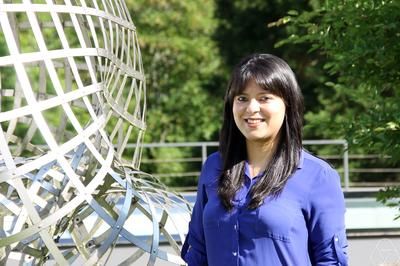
[79, 90]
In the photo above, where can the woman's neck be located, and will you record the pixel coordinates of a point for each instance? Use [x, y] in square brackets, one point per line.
[258, 156]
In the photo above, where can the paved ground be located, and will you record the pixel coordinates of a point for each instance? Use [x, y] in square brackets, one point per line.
[366, 251]
[362, 252]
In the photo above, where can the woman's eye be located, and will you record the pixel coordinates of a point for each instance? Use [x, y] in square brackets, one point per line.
[265, 98]
[241, 98]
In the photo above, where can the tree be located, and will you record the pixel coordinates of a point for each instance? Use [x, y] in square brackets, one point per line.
[360, 42]
[181, 63]
[180, 60]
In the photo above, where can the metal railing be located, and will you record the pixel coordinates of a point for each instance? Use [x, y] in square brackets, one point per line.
[200, 150]
[205, 147]
[345, 155]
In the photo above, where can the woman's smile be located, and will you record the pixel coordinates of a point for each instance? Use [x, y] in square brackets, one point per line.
[254, 122]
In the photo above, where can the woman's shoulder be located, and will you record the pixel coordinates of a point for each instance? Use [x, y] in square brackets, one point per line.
[322, 170]
[315, 162]
[212, 169]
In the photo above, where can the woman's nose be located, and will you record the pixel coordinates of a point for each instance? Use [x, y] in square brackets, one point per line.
[254, 106]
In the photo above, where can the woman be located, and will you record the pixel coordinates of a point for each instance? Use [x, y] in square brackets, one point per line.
[262, 199]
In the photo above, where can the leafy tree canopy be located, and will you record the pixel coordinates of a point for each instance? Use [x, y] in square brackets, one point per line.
[358, 42]
[181, 60]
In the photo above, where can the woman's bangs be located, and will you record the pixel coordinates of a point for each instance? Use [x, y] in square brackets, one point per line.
[239, 84]
[270, 83]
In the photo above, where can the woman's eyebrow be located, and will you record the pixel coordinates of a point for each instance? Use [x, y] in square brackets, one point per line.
[259, 93]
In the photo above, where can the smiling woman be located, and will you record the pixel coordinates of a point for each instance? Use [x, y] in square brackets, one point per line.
[270, 88]
[262, 199]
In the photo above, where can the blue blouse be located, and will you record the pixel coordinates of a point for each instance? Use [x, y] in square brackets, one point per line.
[303, 226]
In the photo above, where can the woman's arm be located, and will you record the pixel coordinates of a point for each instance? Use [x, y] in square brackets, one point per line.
[327, 233]
[194, 248]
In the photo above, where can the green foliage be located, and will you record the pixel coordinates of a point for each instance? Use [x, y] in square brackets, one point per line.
[358, 41]
[182, 66]
[169, 163]
[390, 197]
[180, 60]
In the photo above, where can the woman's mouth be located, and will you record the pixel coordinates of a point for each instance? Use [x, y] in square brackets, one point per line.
[254, 121]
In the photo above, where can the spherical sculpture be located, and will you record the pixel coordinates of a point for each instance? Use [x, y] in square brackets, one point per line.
[72, 96]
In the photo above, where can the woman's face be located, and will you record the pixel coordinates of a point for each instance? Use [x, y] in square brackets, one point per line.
[258, 114]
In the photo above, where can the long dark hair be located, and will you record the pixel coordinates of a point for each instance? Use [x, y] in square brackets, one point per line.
[273, 74]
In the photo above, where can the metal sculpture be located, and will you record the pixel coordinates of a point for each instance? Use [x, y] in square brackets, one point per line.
[72, 95]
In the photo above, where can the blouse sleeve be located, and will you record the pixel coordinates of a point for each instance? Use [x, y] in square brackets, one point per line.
[327, 233]
[194, 249]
